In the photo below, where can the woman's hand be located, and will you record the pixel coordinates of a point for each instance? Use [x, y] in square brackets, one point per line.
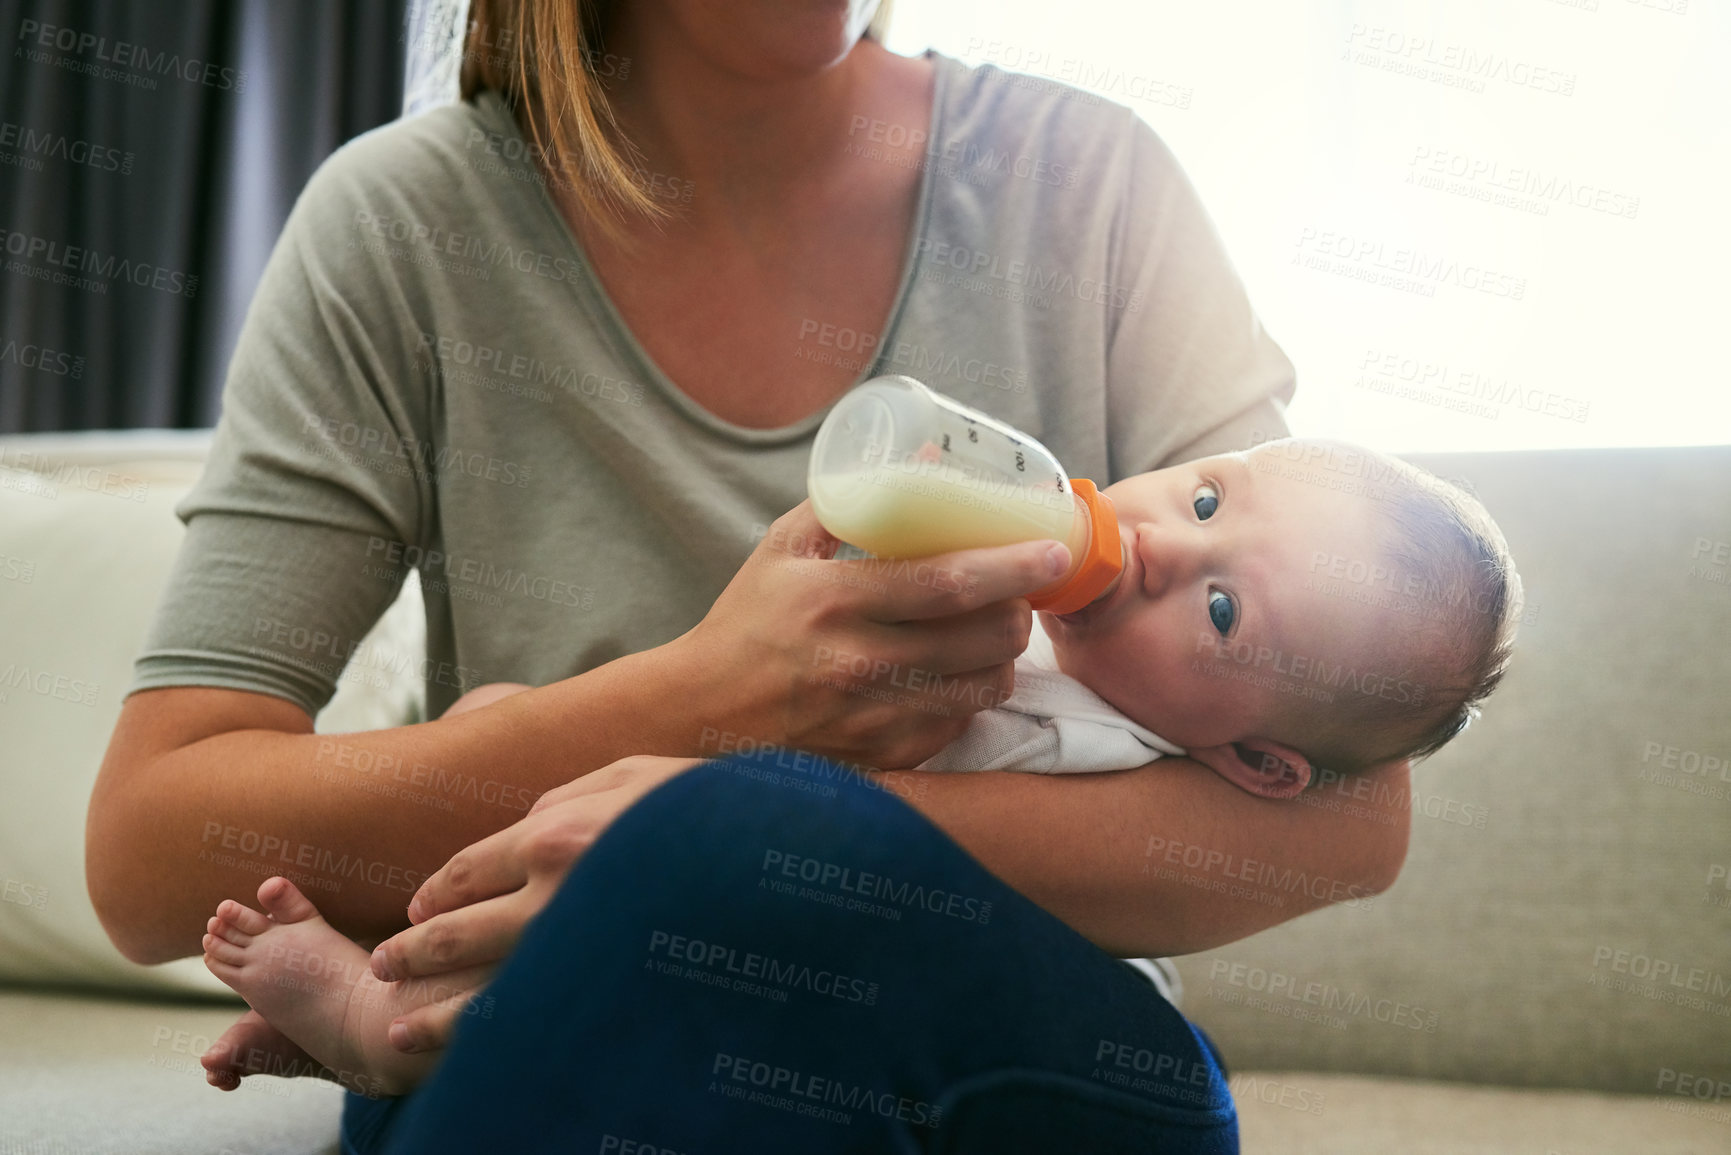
[474, 908]
[880, 661]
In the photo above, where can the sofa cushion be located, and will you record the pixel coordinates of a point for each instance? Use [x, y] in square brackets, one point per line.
[87, 537]
[1304, 1113]
[96, 1074]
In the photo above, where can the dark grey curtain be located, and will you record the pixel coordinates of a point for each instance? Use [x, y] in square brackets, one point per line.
[150, 151]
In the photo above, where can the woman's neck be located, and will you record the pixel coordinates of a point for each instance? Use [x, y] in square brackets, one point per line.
[748, 133]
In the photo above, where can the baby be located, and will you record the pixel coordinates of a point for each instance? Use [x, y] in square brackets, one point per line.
[1301, 606]
[1304, 605]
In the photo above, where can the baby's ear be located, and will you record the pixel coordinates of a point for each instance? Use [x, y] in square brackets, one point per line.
[1266, 769]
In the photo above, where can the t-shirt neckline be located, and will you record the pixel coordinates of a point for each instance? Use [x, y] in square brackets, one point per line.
[659, 380]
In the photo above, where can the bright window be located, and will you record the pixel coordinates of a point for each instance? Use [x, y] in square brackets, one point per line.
[1472, 224]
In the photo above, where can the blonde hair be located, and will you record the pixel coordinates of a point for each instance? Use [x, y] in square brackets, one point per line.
[548, 60]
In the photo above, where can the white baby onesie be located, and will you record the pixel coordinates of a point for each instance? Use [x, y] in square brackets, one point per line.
[1051, 724]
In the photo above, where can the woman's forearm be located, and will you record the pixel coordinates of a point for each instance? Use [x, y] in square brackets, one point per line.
[204, 793]
[1170, 859]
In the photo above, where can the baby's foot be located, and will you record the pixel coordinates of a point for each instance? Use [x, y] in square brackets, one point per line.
[315, 986]
[252, 1046]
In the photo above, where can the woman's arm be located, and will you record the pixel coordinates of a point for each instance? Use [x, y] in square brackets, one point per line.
[1165, 859]
[1170, 858]
[204, 793]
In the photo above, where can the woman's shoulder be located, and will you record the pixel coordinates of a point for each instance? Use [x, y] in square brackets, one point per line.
[1039, 127]
[426, 166]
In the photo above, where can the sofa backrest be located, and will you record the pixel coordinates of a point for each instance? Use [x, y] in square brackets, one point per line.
[1564, 918]
[87, 538]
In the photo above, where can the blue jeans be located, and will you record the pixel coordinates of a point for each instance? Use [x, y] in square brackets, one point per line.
[760, 958]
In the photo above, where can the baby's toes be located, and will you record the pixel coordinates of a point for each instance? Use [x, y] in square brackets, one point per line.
[284, 901]
[224, 951]
[219, 927]
[243, 918]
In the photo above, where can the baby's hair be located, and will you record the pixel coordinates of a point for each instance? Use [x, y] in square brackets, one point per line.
[1453, 575]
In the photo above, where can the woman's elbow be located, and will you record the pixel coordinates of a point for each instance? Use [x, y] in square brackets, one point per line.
[120, 890]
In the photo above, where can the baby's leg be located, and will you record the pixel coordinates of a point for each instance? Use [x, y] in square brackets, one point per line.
[317, 988]
[484, 696]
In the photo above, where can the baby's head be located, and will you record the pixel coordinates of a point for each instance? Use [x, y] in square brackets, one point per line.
[1304, 604]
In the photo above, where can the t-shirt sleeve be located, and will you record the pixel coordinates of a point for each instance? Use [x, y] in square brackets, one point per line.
[316, 480]
[1190, 370]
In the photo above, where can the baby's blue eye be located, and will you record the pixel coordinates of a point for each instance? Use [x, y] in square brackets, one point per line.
[1221, 612]
[1205, 502]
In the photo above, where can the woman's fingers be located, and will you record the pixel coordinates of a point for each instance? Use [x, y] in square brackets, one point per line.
[917, 589]
[428, 1027]
[481, 870]
[470, 936]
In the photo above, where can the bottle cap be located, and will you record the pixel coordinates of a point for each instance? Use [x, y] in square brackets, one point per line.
[1100, 562]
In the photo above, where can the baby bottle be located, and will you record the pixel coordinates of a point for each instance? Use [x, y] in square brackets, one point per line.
[902, 471]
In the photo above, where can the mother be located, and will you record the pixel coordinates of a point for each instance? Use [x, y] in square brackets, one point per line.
[562, 347]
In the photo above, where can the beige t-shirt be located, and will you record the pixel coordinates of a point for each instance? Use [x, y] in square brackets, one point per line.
[431, 375]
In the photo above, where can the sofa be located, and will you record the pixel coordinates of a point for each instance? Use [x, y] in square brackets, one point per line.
[1550, 974]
